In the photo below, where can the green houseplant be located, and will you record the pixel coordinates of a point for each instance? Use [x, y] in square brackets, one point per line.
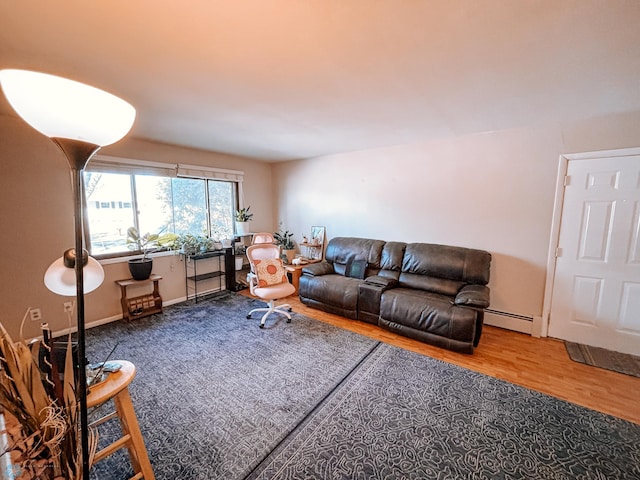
[243, 216]
[140, 268]
[190, 244]
[284, 238]
[240, 252]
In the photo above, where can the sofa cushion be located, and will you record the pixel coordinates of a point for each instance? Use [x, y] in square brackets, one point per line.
[451, 266]
[428, 312]
[475, 296]
[391, 260]
[341, 249]
[431, 284]
[335, 290]
[356, 268]
[320, 268]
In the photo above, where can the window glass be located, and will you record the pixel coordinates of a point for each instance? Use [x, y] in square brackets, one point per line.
[221, 209]
[155, 212]
[109, 208]
[189, 206]
[154, 204]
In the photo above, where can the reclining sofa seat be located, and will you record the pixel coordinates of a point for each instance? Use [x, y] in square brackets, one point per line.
[433, 293]
[325, 285]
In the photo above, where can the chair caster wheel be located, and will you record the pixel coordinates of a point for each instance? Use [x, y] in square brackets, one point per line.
[288, 320]
[290, 309]
[249, 316]
[261, 326]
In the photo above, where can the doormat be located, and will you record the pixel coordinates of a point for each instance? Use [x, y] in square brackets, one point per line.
[602, 358]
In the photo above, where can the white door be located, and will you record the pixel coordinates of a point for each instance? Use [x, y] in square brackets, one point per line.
[596, 290]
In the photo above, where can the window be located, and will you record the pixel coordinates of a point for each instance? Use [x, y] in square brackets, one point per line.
[157, 200]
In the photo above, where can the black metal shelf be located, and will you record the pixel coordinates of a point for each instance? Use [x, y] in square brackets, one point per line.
[201, 256]
[205, 276]
[216, 270]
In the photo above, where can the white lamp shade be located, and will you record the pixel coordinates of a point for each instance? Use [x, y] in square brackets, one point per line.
[61, 279]
[62, 108]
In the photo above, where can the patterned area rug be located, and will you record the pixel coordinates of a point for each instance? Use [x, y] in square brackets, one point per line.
[401, 415]
[602, 358]
[214, 393]
[218, 398]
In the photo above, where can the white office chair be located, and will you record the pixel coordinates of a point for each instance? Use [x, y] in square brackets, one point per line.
[268, 280]
[262, 237]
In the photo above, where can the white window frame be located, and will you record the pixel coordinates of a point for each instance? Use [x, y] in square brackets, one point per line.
[112, 164]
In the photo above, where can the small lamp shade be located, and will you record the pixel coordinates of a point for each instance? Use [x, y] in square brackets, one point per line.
[62, 108]
[60, 277]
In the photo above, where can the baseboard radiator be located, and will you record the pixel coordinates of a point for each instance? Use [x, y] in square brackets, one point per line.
[513, 321]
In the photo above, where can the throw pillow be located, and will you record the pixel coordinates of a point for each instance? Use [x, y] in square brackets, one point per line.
[356, 268]
[270, 272]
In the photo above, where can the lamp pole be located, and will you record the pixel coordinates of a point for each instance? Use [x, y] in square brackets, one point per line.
[78, 154]
[79, 119]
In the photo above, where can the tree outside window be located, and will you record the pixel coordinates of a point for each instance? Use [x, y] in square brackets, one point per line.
[155, 204]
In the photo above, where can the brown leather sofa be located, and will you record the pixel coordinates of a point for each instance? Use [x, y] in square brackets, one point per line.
[433, 293]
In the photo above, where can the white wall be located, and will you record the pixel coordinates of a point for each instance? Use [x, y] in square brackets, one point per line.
[491, 191]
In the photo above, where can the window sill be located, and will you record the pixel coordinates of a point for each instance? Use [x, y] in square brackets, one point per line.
[125, 259]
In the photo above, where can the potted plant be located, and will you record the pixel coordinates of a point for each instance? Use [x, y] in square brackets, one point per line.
[190, 244]
[140, 268]
[37, 392]
[240, 251]
[284, 239]
[242, 218]
[219, 236]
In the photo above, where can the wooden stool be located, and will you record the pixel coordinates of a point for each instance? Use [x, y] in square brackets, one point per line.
[116, 387]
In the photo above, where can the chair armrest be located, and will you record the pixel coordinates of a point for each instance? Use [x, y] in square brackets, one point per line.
[474, 296]
[317, 269]
[383, 282]
[252, 280]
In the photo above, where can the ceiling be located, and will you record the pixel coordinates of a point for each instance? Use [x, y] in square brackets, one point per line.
[287, 79]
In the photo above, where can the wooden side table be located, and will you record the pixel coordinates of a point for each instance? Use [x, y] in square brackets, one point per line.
[143, 305]
[116, 387]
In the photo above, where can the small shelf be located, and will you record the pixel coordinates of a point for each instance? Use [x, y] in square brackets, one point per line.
[141, 305]
[201, 256]
[205, 276]
[314, 251]
[241, 278]
[205, 266]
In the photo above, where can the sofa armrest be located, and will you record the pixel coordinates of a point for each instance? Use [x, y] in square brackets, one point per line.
[384, 282]
[317, 269]
[474, 296]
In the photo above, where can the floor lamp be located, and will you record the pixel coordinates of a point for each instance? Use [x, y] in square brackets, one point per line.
[79, 119]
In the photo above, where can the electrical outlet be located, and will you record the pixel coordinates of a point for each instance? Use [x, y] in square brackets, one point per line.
[68, 306]
[36, 314]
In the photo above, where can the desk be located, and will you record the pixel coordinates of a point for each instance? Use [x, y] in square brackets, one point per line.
[143, 305]
[116, 387]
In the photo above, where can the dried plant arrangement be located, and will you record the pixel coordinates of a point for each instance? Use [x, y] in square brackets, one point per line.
[44, 433]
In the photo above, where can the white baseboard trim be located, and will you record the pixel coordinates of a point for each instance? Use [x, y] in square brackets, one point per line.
[515, 324]
[113, 318]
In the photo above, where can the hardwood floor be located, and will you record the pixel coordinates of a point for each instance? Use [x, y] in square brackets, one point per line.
[541, 364]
